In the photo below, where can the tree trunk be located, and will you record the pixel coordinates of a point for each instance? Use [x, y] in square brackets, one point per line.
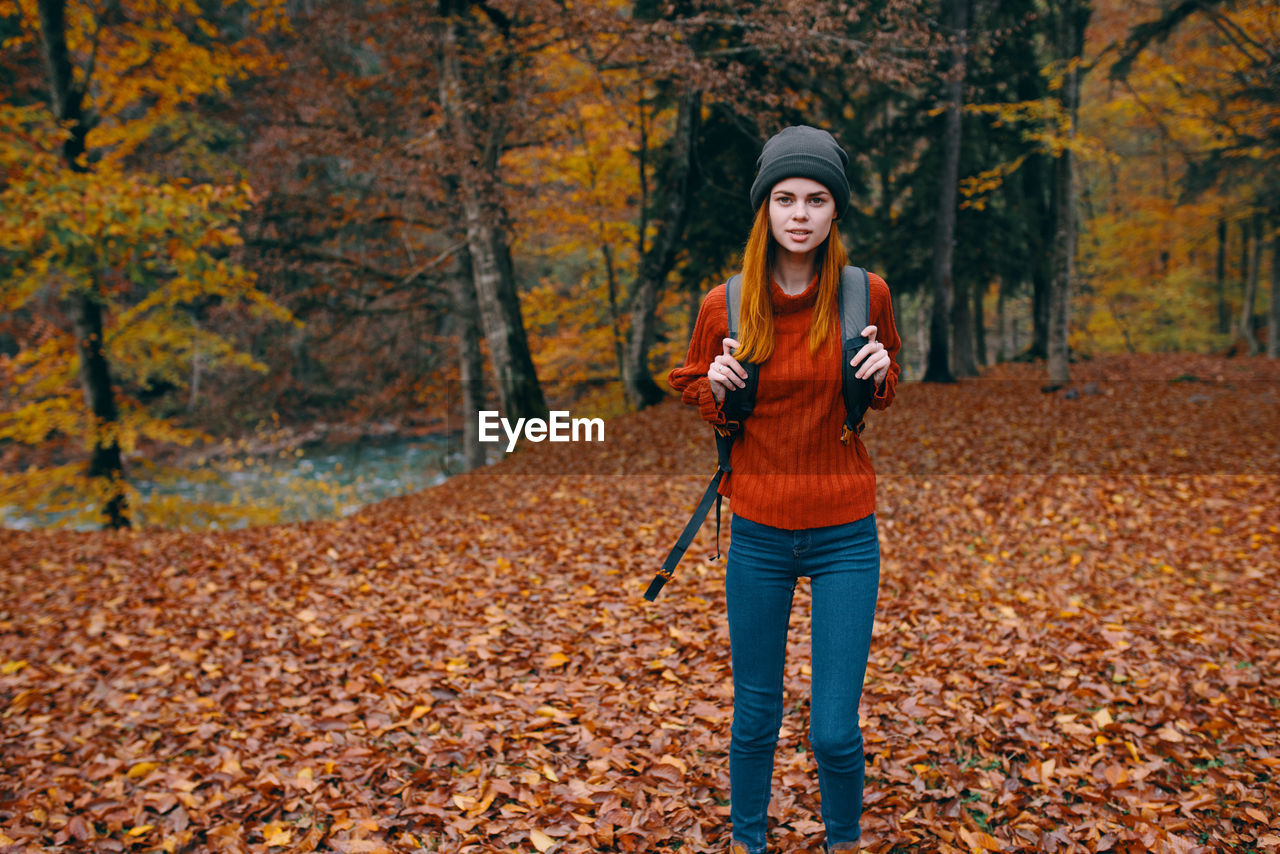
[470, 363]
[1063, 269]
[1041, 296]
[658, 259]
[1244, 268]
[478, 145]
[979, 327]
[1003, 326]
[1224, 313]
[1039, 191]
[963, 334]
[519, 392]
[615, 314]
[1253, 247]
[1073, 18]
[1273, 317]
[106, 465]
[693, 301]
[895, 302]
[194, 396]
[68, 97]
[942, 319]
[923, 308]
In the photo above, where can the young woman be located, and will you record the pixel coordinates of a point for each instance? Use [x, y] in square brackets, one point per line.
[803, 500]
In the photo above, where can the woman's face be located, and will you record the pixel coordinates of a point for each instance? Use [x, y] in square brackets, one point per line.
[800, 214]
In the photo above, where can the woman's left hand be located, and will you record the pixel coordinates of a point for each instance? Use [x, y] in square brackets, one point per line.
[873, 356]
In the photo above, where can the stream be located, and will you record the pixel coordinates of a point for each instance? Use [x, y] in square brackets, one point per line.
[314, 482]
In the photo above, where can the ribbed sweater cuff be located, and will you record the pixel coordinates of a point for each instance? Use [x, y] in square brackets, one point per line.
[711, 411]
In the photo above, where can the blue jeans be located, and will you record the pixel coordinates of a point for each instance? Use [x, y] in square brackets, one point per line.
[843, 563]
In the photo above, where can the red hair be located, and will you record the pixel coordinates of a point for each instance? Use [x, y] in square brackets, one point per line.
[755, 325]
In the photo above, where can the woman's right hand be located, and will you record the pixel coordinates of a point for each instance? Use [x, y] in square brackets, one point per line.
[725, 373]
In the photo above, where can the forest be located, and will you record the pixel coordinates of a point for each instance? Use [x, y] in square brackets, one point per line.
[234, 230]
[222, 218]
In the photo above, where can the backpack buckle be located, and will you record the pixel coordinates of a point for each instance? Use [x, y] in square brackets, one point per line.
[847, 432]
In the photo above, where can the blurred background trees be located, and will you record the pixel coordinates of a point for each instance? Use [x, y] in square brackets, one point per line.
[219, 214]
[119, 232]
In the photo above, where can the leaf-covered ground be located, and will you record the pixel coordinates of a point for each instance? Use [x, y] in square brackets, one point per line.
[1068, 656]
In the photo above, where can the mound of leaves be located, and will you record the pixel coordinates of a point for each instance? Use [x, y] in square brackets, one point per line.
[1071, 656]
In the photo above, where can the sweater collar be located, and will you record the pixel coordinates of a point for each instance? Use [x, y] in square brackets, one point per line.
[784, 303]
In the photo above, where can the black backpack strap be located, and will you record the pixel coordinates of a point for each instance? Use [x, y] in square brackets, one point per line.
[738, 404]
[855, 313]
[687, 535]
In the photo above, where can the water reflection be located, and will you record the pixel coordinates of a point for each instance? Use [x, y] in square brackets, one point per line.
[316, 482]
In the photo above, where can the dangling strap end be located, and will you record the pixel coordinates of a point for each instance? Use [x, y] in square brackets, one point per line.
[655, 587]
[686, 537]
[726, 429]
[845, 434]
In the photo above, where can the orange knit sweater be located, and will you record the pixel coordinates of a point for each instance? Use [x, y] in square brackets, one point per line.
[790, 469]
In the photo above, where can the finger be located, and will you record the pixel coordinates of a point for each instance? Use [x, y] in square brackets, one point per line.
[870, 333]
[873, 364]
[726, 358]
[881, 364]
[725, 371]
[866, 350]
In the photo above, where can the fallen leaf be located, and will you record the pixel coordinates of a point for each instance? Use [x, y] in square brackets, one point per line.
[276, 833]
[675, 762]
[141, 769]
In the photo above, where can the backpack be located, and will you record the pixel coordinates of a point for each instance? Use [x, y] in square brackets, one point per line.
[855, 309]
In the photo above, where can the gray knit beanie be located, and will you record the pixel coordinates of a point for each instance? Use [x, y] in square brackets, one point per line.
[801, 151]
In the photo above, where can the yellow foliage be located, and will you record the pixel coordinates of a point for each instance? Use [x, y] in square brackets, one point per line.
[583, 210]
[147, 64]
[1043, 122]
[1148, 251]
[975, 188]
[147, 249]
